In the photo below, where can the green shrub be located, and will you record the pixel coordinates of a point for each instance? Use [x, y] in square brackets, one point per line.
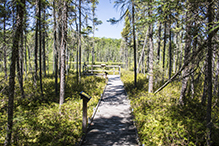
[161, 121]
[37, 120]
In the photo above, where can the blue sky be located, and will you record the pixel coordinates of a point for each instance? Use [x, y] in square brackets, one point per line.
[104, 12]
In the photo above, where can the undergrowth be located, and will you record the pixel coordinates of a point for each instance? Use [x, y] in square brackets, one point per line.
[161, 121]
[37, 120]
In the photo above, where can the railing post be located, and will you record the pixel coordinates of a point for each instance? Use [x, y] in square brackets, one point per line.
[84, 122]
[86, 99]
[113, 70]
[119, 70]
[106, 76]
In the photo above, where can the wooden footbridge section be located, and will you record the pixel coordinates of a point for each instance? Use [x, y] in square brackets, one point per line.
[113, 122]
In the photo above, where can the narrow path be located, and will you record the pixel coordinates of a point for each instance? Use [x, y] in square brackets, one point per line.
[112, 124]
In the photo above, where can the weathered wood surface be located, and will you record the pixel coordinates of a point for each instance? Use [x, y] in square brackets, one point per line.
[113, 122]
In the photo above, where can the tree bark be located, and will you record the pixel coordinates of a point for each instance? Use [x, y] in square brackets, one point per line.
[36, 42]
[44, 41]
[134, 43]
[159, 40]
[93, 12]
[170, 50]
[16, 38]
[216, 84]
[186, 56]
[142, 52]
[55, 47]
[209, 76]
[4, 45]
[79, 43]
[164, 48]
[63, 47]
[19, 67]
[151, 56]
[40, 49]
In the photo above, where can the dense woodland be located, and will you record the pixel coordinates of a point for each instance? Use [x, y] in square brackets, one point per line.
[170, 65]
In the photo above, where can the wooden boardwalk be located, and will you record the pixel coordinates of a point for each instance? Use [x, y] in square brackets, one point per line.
[112, 124]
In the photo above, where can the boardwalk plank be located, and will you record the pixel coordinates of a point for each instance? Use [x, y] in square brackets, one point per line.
[113, 123]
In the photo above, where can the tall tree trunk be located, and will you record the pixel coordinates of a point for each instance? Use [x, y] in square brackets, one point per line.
[36, 42]
[134, 43]
[151, 55]
[4, 45]
[93, 12]
[20, 66]
[44, 42]
[40, 49]
[55, 47]
[25, 51]
[63, 47]
[209, 59]
[22, 53]
[186, 57]
[181, 52]
[126, 54]
[216, 84]
[142, 52]
[205, 88]
[195, 42]
[20, 78]
[159, 40]
[164, 48]
[29, 62]
[79, 44]
[170, 50]
[77, 50]
[18, 31]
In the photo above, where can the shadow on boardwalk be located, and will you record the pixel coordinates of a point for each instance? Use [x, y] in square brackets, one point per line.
[112, 123]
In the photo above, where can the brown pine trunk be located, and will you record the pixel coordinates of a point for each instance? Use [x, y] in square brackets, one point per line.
[134, 43]
[164, 48]
[159, 40]
[40, 49]
[20, 66]
[170, 50]
[55, 48]
[209, 76]
[18, 31]
[36, 42]
[44, 42]
[4, 45]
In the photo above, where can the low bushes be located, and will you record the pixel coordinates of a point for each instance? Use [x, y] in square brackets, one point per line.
[161, 121]
[37, 120]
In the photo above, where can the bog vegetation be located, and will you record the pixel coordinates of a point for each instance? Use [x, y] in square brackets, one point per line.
[37, 120]
[160, 120]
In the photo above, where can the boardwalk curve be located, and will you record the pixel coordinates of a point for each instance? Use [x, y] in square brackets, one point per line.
[112, 124]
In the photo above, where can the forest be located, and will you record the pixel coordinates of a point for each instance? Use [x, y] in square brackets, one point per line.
[168, 53]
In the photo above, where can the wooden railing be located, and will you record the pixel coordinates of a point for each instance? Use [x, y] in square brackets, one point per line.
[102, 70]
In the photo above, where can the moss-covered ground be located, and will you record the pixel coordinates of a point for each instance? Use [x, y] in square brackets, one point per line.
[160, 120]
[36, 118]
